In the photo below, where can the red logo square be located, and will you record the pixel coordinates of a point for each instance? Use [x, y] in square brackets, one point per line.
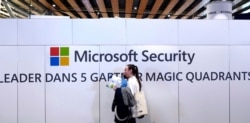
[54, 51]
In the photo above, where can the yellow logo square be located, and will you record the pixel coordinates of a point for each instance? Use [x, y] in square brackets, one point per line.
[64, 61]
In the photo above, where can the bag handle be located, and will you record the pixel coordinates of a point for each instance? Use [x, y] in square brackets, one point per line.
[118, 118]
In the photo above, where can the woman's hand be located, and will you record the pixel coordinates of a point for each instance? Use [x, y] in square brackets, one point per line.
[114, 88]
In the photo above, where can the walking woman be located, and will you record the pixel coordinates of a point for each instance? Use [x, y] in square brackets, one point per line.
[131, 72]
[123, 112]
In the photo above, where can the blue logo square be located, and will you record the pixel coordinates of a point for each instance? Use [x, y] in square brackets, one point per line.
[54, 61]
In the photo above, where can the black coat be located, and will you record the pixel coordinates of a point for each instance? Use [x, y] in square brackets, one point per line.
[122, 110]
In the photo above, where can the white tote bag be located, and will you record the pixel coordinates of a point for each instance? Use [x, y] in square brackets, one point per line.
[140, 108]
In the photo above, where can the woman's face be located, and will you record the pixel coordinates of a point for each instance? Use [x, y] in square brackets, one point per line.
[127, 72]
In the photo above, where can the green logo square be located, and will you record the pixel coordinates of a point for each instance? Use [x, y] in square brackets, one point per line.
[64, 51]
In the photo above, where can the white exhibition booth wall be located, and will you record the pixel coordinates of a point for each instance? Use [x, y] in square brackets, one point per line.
[193, 71]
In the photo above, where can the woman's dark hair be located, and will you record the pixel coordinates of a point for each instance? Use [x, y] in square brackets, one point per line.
[135, 72]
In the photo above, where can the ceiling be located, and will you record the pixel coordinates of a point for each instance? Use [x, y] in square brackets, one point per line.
[155, 9]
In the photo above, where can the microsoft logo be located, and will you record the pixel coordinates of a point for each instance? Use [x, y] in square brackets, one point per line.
[59, 56]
